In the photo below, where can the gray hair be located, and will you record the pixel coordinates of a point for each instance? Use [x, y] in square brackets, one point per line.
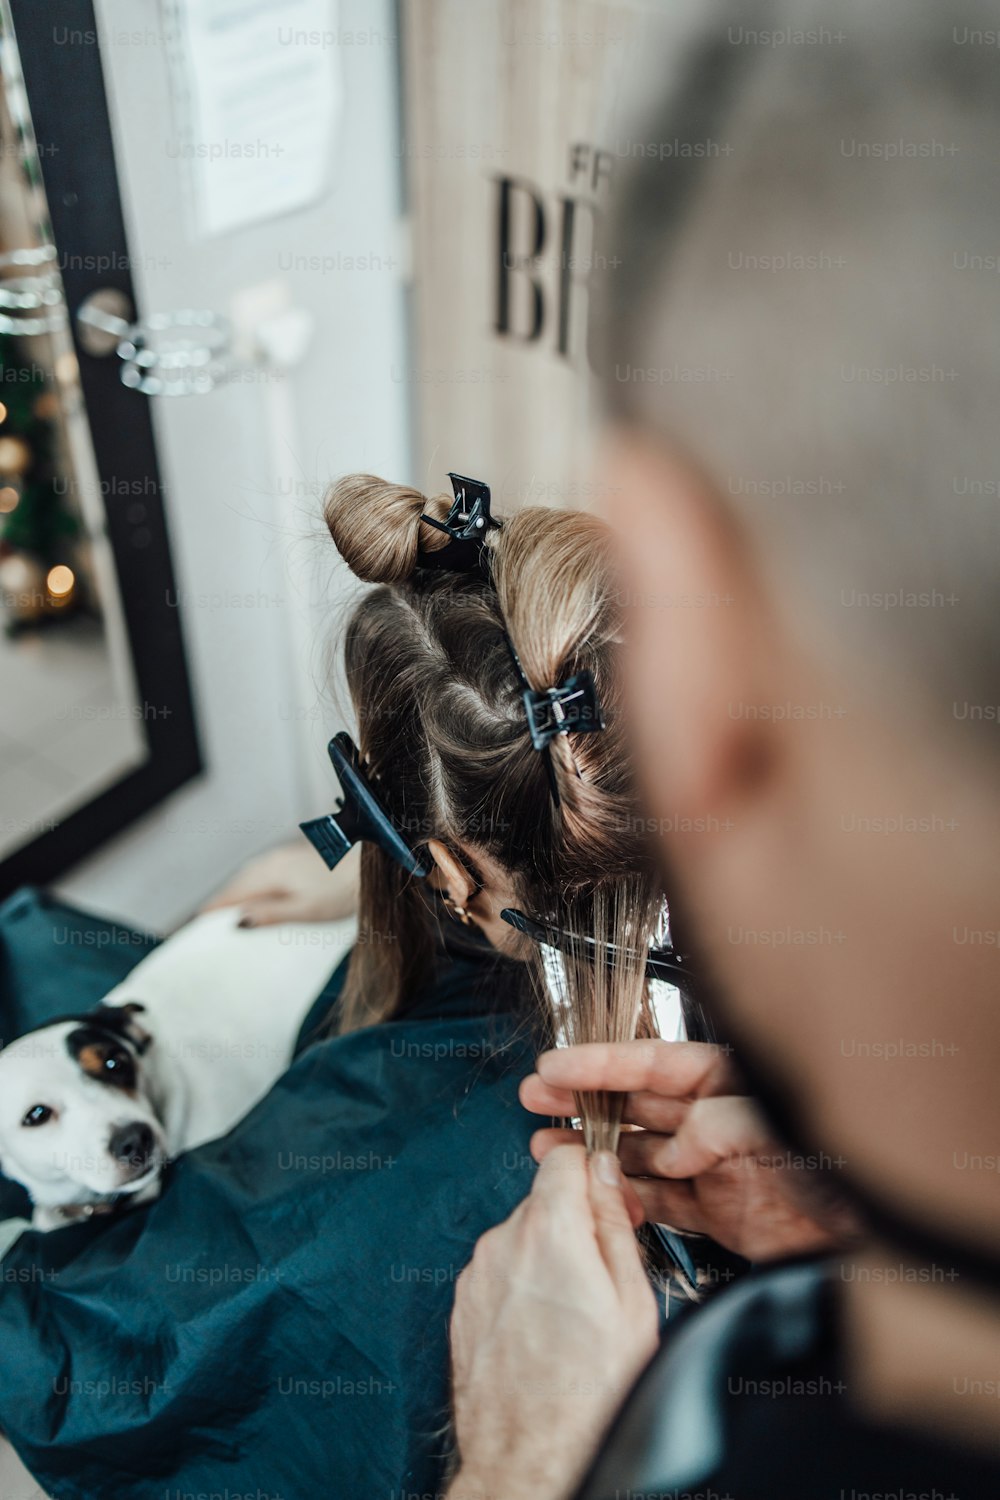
[808, 304]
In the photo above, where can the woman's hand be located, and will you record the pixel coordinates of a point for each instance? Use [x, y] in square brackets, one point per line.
[703, 1160]
[292, 884]
[554, 1319]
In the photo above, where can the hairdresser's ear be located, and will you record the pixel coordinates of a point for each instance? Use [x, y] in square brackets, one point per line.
[449, 874]
[697, 640]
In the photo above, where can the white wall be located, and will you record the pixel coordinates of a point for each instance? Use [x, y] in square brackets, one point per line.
[244, 467]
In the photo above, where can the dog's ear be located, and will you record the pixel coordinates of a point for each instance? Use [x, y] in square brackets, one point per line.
[121, 1020]
[140, 1035]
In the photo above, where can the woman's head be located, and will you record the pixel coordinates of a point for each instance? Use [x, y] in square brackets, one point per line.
[443, 728]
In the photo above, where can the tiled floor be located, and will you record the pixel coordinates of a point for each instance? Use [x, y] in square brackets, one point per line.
[66, 730]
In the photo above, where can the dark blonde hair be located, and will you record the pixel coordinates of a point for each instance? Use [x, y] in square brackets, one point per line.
[443, 730]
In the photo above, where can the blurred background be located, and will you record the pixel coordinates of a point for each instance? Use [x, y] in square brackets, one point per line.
[245, 246]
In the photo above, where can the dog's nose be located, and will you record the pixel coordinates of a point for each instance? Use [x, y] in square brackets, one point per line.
[132, 1144]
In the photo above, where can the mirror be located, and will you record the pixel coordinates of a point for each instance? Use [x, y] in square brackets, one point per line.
[72, 724]
[97, 722]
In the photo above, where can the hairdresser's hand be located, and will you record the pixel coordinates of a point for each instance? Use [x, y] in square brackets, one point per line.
[291, 884]
[704, 1159]
[553, 1321]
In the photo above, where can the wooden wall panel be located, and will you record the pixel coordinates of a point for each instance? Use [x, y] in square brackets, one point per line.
[515, 114]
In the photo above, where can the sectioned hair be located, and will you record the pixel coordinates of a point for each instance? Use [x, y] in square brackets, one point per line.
[442, 728]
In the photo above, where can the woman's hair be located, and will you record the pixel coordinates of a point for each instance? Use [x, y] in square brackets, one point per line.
[444, 733]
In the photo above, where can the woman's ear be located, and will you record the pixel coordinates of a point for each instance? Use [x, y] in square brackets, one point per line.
[449, 874]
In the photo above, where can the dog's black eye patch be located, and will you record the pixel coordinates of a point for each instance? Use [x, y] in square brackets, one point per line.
[101, 1055]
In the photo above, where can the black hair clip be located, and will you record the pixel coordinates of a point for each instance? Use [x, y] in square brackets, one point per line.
[661, 963]
[467, 526]
[361, 816]
[571, 708]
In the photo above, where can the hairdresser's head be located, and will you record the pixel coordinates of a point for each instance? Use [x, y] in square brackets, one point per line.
[803, 460]
[443, 729]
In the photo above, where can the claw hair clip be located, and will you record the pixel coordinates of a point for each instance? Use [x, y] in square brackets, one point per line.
[571, 708]
[361, 816]
[466, 526]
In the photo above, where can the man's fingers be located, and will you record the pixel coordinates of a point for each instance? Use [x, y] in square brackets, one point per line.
[654, 1112]
[561, 1180]
[544, 1141]
[651, 1111]
[541, 1099]
[671, 1203]
[676, 1069]
[647, 1199]
[712, 1131]
[614, 1230]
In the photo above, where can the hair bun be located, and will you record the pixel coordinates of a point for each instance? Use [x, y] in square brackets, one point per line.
[377, 528]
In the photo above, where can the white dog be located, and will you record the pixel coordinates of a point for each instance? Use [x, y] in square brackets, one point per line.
[92, 1106]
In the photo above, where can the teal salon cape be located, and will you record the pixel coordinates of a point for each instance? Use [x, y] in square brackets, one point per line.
[276, 1323]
